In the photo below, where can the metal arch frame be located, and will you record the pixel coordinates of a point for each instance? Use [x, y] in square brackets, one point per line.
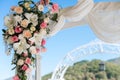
[93, 47]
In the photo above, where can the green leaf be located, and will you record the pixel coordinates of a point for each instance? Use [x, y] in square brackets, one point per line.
[54, 18]
[13, 68]
[4, 31]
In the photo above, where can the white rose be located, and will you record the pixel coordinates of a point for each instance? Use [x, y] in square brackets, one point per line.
[9, 21]
[9, 41]
[20, 62]
[43, 32]
[33, 18]
[18, 18]
[40, 7]
[33, 50]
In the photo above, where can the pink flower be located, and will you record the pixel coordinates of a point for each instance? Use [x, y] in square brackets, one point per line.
[43, 50]
[44, 2]
[18, 29]
[16, 77]
[43, 42]
[25, 54]
[28, 61]
[24, 67]
[14, 38]
[38, 50]
[55, 8]
[28, 70]
[43, 25]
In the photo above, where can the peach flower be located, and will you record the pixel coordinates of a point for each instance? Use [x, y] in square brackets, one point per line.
[13, 8]
[18, 10]
[24, 23]
[28, 61]
[27, 33]
[16, 77]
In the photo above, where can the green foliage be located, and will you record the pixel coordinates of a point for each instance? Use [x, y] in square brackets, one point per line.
[89, 70]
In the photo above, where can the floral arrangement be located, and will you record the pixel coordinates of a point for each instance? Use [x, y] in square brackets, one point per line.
[26, 28]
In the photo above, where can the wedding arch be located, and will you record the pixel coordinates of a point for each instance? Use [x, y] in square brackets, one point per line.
[91, 48]
[103, 18]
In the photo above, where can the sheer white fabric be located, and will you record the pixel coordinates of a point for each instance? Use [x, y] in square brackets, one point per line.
[104, 19]
[79, 11]
[71, 16]
[56, 27]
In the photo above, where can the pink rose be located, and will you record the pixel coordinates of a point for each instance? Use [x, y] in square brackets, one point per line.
[18, 29]
[24, 67]
[28, 70]
[28, 61]
[43, 42]
[43, 50]
[43, 25]
[16, 77]
[37, 50]
[14, 38]
[44, 2]
[25, 54]
[55, 8]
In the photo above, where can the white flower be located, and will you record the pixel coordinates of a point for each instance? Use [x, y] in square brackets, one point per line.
[43, 32]
[9, 21]
[46, 20]
[20, 62]
[33, 18]
[21, 46]
[11, 31]
[18, 19]
[37, 38]
[40, 7]
[33, 50]
[9, 41]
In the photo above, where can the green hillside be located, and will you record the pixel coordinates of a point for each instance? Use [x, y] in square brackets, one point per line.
[90, 70]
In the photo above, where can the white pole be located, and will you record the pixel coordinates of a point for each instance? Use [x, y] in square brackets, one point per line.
[38, 66]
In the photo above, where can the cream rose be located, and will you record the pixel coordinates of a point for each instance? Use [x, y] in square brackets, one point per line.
[24, 23]
[33, 50]
[11, 31]
[32, 28]
[40, 7]
[27, 5]
[20, 62]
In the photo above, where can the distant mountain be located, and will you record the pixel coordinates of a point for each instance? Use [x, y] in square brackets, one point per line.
[90, 70]
[116, 60]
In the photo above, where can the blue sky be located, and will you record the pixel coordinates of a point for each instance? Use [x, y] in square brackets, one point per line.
[57, 46]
